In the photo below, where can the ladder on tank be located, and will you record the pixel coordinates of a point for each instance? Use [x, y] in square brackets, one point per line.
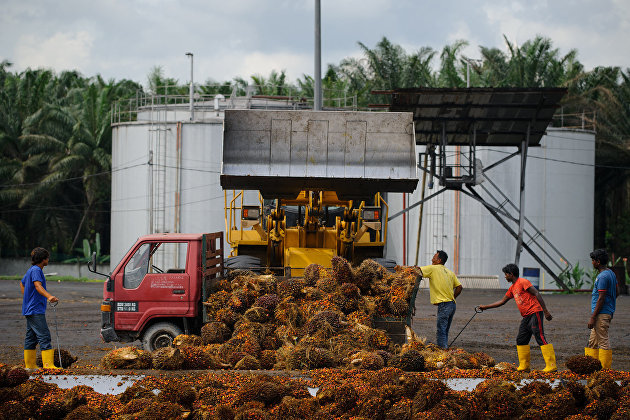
[157, 168]
[501, 207]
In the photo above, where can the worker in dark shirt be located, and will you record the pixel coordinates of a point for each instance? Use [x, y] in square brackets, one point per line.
[603, 301]
[34, 303]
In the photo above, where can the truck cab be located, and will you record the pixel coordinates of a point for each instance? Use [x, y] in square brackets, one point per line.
[155, 291]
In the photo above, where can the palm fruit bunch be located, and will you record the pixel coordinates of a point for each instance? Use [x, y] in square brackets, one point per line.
[313, 273]
[127, 358]
[268, 302]
[267, 359]
[313, 294]
[247, 362]
[344, 303]
[256, 314]
[398, 305]
[215, 332]
[196, 358]
[239, 301]
[67, 359]
[368, 272]
[167, 358]
[326, 282]
[350, 291]
[184, 340]
[184, 395]
[602, 385]
[291, 287]
[301, 357]
[12, 376]
[227, 316]
[583, 365]
[366, 360]
[216, 302]
[360, 317]
[331, 318]
[289, 312]
[341, 270]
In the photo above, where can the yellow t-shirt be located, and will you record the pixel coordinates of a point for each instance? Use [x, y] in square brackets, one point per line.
[442, 281]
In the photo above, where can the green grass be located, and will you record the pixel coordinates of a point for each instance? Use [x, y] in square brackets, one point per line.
[59, 278]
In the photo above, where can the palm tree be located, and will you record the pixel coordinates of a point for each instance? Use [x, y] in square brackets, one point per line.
[274, 85]
[74, 142]
[537, 64]
[451, 66]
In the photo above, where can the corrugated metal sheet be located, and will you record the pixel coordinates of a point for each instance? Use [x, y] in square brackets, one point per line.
[500, 116]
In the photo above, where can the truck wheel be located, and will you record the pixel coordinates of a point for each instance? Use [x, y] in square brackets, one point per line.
[390, 265]
[242, 262]
[160, 335]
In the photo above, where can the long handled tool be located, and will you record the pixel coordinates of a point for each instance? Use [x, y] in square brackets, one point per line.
[54, 306]
[477, 311]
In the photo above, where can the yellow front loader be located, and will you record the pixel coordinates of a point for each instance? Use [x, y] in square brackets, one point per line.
[304, 186]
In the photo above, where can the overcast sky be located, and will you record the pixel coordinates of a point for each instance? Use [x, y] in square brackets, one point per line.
[127, 38]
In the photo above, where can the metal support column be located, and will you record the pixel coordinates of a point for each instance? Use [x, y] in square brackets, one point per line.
[521, 213]
[317, 106]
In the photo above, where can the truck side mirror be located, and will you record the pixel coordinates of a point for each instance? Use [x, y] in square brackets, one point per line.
[92, 263]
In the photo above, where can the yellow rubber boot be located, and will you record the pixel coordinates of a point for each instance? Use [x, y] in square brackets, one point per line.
[48, 359]
[594, 353]
[29, 359]
[523, 358]
[550, 358]
[605, 357]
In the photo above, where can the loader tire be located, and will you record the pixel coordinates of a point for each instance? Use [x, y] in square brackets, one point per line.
[160, 335]
[389, 264]
[242, 263]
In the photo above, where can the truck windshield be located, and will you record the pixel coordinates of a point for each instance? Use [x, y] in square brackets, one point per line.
[158, 257]
[137, 267]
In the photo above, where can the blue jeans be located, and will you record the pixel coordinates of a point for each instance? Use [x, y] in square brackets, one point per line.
[445, 313]
[37, 332]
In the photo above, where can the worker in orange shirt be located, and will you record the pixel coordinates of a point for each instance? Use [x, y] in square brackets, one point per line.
[533, 308]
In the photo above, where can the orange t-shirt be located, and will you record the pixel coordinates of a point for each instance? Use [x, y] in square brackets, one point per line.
[526, 302]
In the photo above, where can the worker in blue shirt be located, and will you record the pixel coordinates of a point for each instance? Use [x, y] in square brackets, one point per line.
[36, 297]
[602, 309]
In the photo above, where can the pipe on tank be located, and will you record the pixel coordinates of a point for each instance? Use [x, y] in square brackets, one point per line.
[191, 89]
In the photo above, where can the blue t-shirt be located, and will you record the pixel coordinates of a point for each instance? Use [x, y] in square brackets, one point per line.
[33, 302]
[606, 280]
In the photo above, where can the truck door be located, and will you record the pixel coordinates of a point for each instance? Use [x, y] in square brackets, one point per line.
[154, 281]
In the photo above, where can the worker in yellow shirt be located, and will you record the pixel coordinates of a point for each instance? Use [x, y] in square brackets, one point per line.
[444, 287]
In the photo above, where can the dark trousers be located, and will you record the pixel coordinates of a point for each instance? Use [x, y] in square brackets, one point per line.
[531, 325]
[37, 332]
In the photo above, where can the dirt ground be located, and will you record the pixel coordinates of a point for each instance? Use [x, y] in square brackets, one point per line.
[493, 331]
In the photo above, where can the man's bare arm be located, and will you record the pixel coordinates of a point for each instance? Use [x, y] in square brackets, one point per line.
[533, 291]
[457, 291]
[40, 289]
[495, 304]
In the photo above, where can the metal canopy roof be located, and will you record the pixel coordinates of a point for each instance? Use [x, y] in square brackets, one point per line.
[499, 115]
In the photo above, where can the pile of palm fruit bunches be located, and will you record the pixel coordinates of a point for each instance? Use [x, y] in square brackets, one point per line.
[388, 393]
[322, 320]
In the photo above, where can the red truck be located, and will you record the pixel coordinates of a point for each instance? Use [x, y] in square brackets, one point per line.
[157, 290]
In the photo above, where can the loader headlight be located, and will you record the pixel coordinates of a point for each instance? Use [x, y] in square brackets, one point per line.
[371, 214]
[250, 213]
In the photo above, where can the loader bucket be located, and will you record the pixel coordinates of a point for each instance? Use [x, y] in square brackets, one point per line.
[356, 154]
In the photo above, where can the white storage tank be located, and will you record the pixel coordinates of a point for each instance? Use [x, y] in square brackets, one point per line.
[166, 166]
[165, 178]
